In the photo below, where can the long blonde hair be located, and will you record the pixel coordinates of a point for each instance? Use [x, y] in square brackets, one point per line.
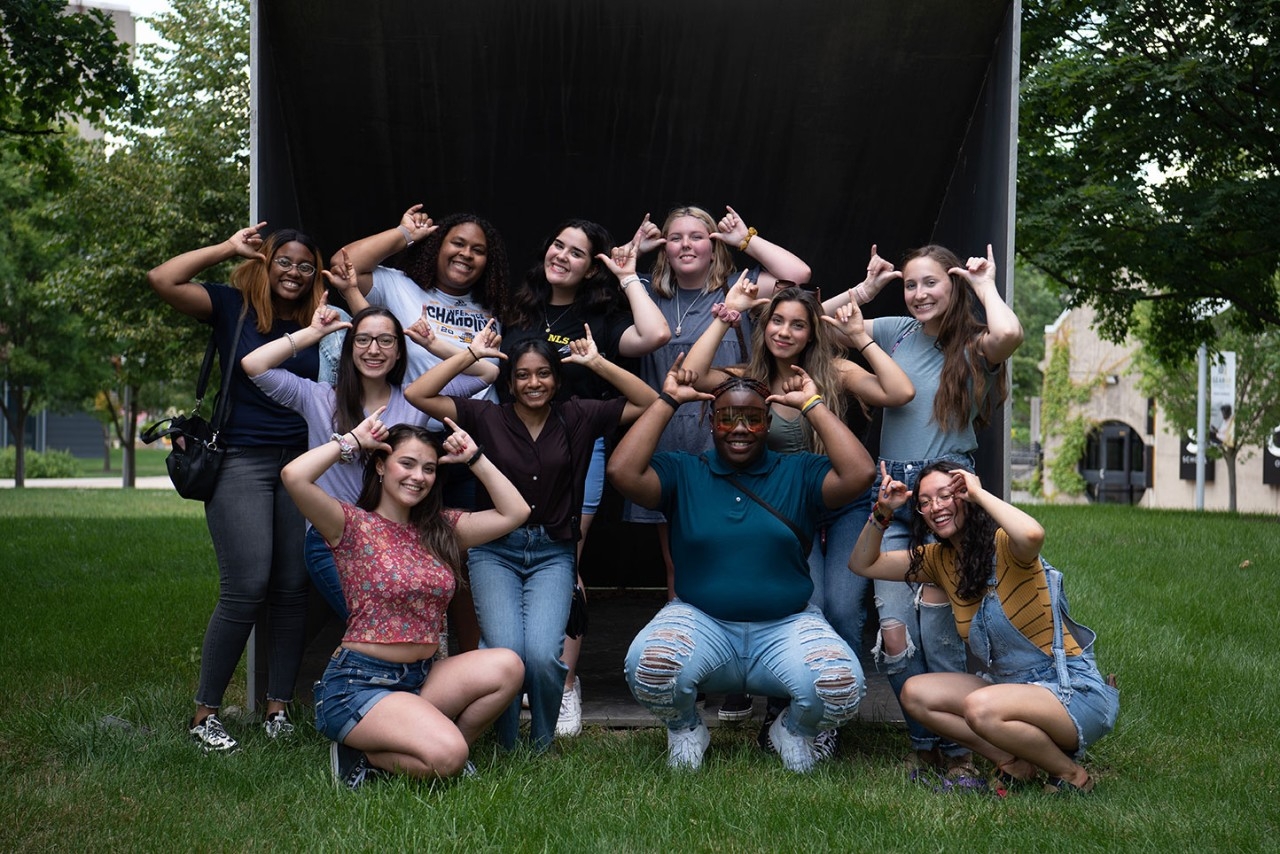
[818, 357]
[252, 278]
[663, 280]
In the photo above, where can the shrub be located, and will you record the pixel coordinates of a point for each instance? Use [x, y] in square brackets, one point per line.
[47, 464]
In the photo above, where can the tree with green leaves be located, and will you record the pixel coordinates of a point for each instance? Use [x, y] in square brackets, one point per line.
[180, 179]
[45, 357]
[1148, 168]
[57, 64]
[1257, 408]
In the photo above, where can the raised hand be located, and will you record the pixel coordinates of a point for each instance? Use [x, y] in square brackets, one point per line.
[247, 241]
[583, 350]
[342, 275]
[648, 237]
[893, 493]
[487, 343]
[796, 389]
[849, 319]
[731, 229]
[459, 447]
[417, 224]
[979, 272]
[742, 296]
[965, 485]
[621, 260]
[420, 331]
[679, 383]
[370, 434]
[326, 319]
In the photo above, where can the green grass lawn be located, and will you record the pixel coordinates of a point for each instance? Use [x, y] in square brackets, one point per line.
[109, 593]
[148, 461]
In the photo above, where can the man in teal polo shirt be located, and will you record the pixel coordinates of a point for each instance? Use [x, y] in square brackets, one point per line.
[742, 521]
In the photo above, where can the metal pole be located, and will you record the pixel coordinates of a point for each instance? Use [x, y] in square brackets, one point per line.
[1202, 419]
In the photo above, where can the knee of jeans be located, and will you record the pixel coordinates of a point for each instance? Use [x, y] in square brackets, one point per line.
[894, 646]
[837, 677]
[655, 670]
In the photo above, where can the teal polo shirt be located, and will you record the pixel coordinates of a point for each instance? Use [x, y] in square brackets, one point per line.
[733, 558]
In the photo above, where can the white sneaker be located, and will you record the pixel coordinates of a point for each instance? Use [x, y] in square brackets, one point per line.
[685, 748]
[277, 725]
[213, 736]
[796, 751]
[569, 723]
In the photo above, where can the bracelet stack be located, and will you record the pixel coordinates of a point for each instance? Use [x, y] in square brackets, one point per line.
[811, 403]
[880, 516]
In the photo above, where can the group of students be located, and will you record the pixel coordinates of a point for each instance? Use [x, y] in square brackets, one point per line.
[738, 450]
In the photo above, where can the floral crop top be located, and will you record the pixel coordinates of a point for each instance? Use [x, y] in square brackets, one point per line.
[396, 590]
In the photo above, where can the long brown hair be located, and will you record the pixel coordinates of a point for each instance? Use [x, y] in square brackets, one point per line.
[817, 358]
[664, 281]
[963, 393]
[252, 278]
[348, 390]
[436, 535]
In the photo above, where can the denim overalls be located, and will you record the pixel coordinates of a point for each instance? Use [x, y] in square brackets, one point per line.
[1007, 656]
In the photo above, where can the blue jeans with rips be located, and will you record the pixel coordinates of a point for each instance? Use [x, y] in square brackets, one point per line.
[684, 650]
[257, 536]
[522, 585]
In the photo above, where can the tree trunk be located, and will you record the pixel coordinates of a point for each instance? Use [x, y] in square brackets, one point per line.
[106, 448]
[128, 437]
[1229, 457]
[20, 441]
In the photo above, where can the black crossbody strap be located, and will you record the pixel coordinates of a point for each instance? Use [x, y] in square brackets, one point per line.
[805, 542]
[223, 410]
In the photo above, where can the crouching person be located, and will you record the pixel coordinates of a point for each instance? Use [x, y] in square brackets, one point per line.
[742, 520]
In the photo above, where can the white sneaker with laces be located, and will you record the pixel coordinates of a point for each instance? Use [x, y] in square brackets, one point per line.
[278, 725]
[569, 723]
[213, 736]
[686, 747]
[796, 751]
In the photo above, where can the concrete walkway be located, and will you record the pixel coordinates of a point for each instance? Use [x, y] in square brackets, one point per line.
[108, 482]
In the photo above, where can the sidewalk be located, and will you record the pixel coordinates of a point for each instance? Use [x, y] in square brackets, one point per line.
[108, 482]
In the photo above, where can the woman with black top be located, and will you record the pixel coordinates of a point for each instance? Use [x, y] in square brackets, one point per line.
[256, 529]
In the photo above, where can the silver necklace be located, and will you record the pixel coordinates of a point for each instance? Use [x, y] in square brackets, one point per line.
[559, 317]
[680, 322]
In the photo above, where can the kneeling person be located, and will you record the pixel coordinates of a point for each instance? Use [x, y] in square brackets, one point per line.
[742, 520]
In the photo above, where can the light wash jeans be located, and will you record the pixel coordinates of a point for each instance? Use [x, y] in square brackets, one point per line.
[933, 644]
[522, 585]
[257, 537]
[683, 651]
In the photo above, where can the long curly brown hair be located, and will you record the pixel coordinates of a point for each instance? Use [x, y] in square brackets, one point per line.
[963, 394]
[977, 541]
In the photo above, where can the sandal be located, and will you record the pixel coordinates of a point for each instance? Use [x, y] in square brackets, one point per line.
[1059, 786]
[962, 776]
[923, 766]
[1005, 784]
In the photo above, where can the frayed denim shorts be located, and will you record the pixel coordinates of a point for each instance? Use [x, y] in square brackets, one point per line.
[353, 683]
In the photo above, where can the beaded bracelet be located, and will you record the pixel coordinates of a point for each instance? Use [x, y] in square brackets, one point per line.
[346, 451]
[291, 344]
[751, 232]
[881, 519]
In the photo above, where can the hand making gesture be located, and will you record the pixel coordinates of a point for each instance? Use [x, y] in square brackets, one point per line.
[731, 229]
[796, 389]
[327, 320]
[247, 241]
[459, 447]
[416, 225]
[679, 383]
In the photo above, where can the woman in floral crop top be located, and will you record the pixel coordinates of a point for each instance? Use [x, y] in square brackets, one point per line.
[384, 702]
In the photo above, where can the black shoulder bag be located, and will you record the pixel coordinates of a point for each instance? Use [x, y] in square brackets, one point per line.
[196, 455]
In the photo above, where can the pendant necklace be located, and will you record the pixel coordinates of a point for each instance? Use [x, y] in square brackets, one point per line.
[559, 317]
[680, 322]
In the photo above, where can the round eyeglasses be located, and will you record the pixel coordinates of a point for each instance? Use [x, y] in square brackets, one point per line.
[306, 268]
[943, 498]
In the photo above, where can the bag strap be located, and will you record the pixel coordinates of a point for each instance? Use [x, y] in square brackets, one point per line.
[223, 409]
[805, 542]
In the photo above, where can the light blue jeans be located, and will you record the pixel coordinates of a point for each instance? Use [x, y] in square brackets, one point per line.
[522, 585]
[933, 644]
[837, 591]
[683, 651]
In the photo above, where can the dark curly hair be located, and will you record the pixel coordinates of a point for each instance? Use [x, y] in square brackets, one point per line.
[436, 535]
[491, 290]
[977, 541]
[598, 294]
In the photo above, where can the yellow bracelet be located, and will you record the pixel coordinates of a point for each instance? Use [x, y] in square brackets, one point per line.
[811, 403]
[751, 232]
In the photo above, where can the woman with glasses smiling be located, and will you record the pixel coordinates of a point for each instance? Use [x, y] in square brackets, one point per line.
[256, 529]
[1041, 699]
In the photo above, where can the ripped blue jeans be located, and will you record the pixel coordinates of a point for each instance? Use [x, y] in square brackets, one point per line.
[683, 651]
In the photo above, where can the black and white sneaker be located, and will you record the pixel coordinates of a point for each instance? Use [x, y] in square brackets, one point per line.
[827, 744]
[212, 735]
[736, 707]
[350, 767]
[278, 725]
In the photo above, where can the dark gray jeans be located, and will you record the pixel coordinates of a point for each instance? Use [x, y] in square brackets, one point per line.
[257, 535]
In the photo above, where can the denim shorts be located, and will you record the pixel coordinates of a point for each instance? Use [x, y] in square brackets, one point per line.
[353, 684]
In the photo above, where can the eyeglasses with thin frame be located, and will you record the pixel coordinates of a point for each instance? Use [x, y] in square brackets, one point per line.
[727, 418]
[943, 498]
[385, 341]
[306, 268]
